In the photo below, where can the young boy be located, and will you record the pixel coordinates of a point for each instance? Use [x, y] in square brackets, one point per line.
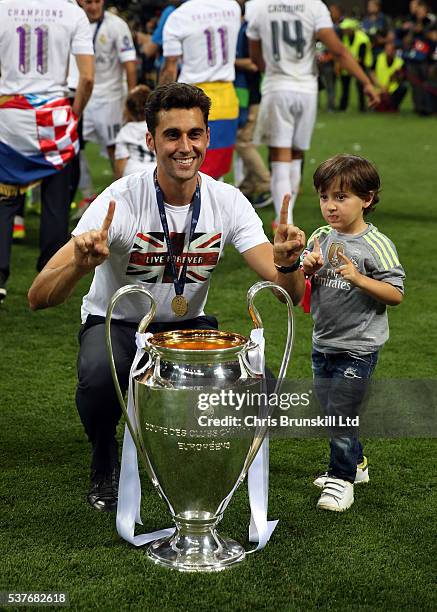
[355, 273]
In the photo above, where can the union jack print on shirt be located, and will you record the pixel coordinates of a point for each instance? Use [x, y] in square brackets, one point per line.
[150, 261]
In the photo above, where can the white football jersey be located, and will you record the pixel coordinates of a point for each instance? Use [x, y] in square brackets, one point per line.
[131, 145]
[287, 30]
[36, 39]
[204, 33]
[113, 45]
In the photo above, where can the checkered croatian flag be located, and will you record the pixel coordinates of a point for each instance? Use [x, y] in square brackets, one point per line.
[38, 136]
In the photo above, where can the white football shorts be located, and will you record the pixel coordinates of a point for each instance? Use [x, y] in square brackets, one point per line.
[286, 119]
[102, 120]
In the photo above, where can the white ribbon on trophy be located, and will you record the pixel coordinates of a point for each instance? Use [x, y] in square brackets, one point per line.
[129, 494]
[260, 529]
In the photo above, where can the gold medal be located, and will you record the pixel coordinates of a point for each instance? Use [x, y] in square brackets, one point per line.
[179, 305]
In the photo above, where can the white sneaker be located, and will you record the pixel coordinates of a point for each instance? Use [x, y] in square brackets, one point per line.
[337, 495]
[361, 476]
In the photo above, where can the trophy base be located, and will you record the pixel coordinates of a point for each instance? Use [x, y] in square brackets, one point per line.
[196, 554]
[196, 547]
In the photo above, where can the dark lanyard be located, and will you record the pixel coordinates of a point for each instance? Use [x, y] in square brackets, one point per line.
[179, 283]
[96, 31]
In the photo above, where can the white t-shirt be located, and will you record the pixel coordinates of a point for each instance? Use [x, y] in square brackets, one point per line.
[131, 144]
[204, 33]
[113, 46]
[36, 39]
[287, 29]
[138, 250]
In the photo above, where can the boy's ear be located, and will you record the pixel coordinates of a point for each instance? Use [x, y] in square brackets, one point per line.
[369, 199]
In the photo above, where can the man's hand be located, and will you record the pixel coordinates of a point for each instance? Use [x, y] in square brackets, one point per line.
[314, 260]
[289, 240]
[372, 94]
[91, 248]
[348, 271]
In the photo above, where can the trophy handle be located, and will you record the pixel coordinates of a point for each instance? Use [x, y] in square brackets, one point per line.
[257, 321]
[141, 328]
[256, 318]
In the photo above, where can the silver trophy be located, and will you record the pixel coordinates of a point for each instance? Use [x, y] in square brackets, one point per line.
[197, 467]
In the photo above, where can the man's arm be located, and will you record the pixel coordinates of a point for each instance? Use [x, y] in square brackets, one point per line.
[260, 259]
[80, 255]
[346, 60]
[256, 54]
[245, 63]
[375, 81]
[85, 65]
[169, 71]
[288, 246]
[148, 47]
[130, 68]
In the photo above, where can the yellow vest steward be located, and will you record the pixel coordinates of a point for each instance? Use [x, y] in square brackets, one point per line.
[359, 39]
[384, 72]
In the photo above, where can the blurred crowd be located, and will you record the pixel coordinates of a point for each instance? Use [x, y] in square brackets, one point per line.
[398, 53]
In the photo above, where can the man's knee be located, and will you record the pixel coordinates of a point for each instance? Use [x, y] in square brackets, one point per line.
[93, 366]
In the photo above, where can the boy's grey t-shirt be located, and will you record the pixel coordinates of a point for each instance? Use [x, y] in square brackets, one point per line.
[345, 318]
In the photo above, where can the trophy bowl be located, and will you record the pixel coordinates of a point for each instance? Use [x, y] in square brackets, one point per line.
[193, 441]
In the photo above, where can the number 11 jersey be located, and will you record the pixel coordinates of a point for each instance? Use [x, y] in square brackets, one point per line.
[36, 38]
[287, 30]
[204, 33]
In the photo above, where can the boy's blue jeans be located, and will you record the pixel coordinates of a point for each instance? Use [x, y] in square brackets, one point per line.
[340, 383]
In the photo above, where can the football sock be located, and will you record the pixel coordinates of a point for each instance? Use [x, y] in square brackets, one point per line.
[295, 176]
[85, 182]
[238, 170]
[281, 185]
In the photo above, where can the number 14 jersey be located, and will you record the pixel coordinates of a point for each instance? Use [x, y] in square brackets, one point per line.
[287, 30]
[204, 33]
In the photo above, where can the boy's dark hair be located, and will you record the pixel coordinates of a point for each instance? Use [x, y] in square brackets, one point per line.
[135, 103]
[353, 173]
[175, 95]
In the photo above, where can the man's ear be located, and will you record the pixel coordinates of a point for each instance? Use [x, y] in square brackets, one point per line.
[150, 141]
[208, 136]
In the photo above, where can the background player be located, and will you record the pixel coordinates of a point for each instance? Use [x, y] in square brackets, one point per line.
[38, 126]
[202, 36]
[115, 58]
[283, 35]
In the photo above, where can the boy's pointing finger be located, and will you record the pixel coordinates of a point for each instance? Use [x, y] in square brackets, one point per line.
[344, 258]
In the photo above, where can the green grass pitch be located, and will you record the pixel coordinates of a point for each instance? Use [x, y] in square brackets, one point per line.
[379, 555]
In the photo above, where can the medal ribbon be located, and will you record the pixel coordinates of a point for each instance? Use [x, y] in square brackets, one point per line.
[96, 31]
[178, 282]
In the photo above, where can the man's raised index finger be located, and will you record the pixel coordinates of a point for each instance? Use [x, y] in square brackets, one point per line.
[109, 216]
[283, 215]
[343, 256]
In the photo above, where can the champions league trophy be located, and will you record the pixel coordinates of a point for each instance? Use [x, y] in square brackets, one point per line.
[196, 469]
